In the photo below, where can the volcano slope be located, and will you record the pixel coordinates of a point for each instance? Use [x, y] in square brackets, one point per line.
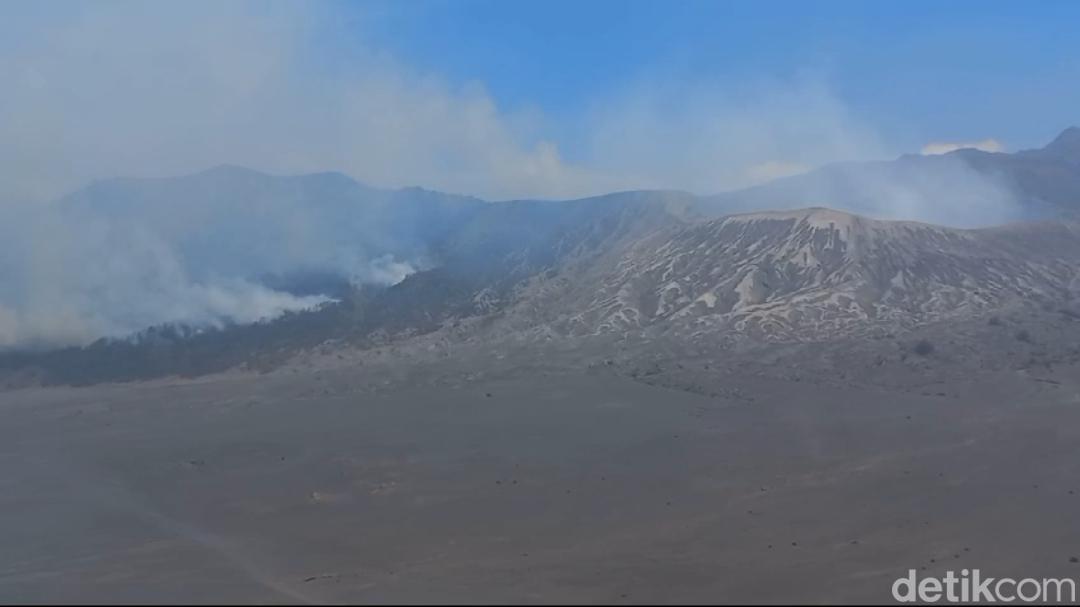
[775, 407]
[814, 274]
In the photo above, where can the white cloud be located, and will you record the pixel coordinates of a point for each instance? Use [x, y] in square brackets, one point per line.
[944, 147]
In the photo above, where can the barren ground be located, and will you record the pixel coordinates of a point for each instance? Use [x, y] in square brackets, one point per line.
[529, 483]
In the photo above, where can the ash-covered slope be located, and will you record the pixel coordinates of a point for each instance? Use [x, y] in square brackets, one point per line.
[486, 262]
[631, 262]
[810, 274]
[480, 265]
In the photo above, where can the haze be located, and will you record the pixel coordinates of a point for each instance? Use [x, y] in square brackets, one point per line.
[515, 302]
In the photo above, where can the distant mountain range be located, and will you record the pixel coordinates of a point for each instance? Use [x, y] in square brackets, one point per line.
[224, 217]
[966, 187]
[768, 262]
[238, 222]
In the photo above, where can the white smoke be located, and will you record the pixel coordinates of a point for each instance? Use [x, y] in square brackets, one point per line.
[71, 279]
[160, 89]
[98, 90]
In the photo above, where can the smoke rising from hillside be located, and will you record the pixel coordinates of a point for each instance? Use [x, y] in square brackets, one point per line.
[943, 190]
[219, 246]
[150, 90]
[69, 282]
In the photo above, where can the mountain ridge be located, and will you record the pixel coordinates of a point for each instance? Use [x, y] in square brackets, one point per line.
[636, 262]
[812, 273]
[989, 187]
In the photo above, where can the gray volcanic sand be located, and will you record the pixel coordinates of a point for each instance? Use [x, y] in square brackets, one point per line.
[568, 486]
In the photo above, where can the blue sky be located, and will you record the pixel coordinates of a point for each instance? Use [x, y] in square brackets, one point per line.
[503, 100]
[921, 70]
[521, 99]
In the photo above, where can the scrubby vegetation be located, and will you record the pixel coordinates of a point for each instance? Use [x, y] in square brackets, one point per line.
[188, 352]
